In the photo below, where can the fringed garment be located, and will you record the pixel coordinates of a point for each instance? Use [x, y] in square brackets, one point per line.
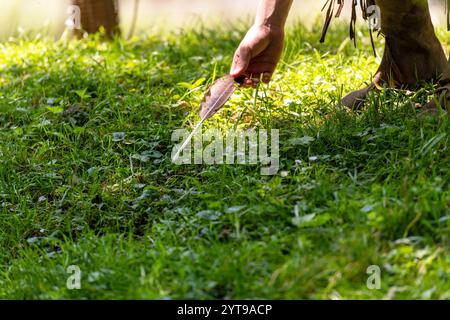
[334, 9]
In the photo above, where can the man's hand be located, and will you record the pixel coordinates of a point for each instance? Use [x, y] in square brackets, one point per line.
[258, 54]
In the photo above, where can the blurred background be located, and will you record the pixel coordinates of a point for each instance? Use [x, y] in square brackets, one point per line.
[48, 16]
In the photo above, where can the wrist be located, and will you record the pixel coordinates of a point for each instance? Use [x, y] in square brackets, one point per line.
[269, 27]
[273, 13]
[272, 25]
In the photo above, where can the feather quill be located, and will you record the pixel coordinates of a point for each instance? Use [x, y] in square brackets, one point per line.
[215, 98]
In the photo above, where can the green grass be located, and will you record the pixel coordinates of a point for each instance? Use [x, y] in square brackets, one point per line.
[372, 186]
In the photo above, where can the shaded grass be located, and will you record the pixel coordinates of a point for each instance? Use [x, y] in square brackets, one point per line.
[86, 178]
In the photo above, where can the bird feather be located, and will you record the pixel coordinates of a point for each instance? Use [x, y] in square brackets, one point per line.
[217, 95]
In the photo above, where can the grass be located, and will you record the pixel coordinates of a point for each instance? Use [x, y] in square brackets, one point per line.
[86, 177]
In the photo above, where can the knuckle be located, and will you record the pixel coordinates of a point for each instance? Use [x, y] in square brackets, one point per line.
[245, 49]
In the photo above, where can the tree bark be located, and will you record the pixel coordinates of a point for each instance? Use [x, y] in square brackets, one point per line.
[99, 13]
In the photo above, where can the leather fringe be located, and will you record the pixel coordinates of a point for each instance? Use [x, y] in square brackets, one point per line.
[364, 4]
[447, 9]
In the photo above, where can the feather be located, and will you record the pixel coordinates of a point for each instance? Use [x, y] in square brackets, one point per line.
[218, 94]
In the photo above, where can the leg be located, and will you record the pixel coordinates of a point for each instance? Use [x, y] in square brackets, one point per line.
[412, 51]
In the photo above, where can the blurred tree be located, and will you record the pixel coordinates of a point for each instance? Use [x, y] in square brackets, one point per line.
[98, 13]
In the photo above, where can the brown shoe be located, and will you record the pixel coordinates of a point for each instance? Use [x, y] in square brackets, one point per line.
[412, 51]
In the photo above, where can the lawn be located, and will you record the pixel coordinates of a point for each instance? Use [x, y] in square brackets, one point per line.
[86, 177]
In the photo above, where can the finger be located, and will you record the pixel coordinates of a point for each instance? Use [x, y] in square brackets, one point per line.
[261, 67]
[241, 61]
[248, 83]
[267, 76]
[256, 78]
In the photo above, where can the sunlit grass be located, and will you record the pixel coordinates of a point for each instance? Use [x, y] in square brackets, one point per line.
[86, 177]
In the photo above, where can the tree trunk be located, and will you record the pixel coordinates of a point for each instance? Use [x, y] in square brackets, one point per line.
[99, 13]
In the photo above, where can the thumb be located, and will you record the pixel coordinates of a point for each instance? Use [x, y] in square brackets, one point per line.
[241, 61]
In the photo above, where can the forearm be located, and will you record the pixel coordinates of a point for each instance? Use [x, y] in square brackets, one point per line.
[273, 13]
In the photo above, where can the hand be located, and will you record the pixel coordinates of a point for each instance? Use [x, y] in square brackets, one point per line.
[258, 54]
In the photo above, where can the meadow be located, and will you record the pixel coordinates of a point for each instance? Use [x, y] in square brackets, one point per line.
[86, 177]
